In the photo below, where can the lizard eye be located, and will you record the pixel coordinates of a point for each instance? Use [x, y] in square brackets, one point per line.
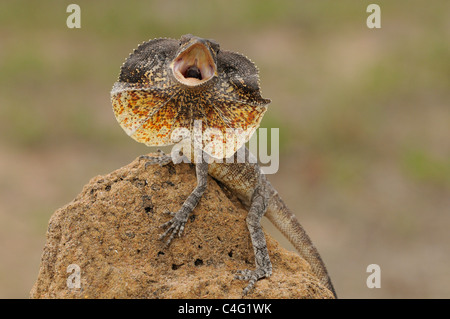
[214, 46]
[185, 38]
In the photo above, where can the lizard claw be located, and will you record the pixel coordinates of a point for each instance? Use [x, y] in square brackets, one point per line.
[252, 276]
[175, 226]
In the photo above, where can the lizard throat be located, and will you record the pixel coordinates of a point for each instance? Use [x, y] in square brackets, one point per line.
[194, 66]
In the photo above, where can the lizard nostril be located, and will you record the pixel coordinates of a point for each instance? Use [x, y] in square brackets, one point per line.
[193, 72]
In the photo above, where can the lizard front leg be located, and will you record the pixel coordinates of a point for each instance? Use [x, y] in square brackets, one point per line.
[176, 224]
[263, 269]
[161, 160]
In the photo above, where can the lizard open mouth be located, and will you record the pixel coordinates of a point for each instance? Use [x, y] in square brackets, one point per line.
[194, 66]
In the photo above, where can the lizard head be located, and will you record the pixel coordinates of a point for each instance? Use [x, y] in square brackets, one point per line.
[195, 62]
[168, 85]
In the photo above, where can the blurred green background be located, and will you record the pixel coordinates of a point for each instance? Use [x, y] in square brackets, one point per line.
[364, 118]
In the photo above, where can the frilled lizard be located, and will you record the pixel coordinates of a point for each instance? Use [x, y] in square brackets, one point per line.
[168, 85]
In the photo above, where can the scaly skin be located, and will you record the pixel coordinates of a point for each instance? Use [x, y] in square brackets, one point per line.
[165, 86]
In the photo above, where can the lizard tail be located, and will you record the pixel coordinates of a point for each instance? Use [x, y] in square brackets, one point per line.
[286, 222]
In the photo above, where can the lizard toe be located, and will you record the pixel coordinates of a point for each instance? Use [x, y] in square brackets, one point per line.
[252, 276]
[175, 227]
[160, 160]
[249, 276]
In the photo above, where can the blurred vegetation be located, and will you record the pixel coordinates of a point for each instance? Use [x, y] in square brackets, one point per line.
[364, 118]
